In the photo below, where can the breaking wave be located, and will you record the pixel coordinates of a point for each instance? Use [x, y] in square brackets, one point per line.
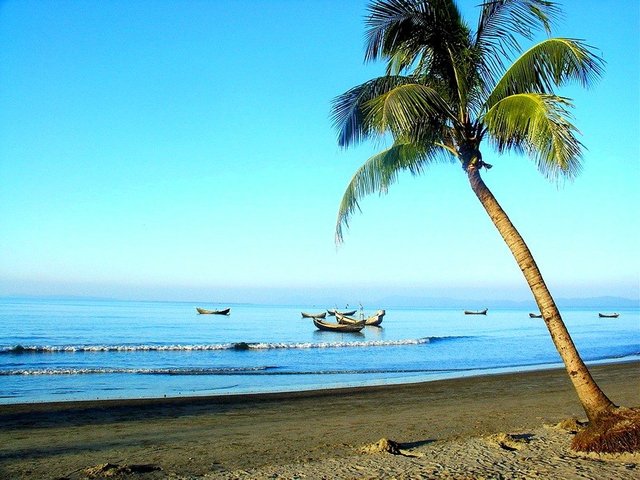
[30, 349]
[261, 370]
[139, 371]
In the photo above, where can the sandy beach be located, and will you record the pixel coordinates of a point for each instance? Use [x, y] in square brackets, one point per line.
[496, 426]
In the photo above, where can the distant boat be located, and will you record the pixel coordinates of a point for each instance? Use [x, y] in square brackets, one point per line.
[204, 311]
[332, 313]
[608, 315]
[373, 321]
[478, 312]
[314, 315]
[337, 327]
[535, 315]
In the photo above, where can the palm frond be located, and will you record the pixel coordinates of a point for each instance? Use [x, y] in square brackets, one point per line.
[402, 59]
[501, 22]
[552, 62]
[467, 82]
[401, 109]
[538, 125]
[422, 28]
[381, 171]
[347, 109]
[390, 23]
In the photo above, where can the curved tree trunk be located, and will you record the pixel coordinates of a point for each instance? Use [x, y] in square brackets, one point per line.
[594, 401]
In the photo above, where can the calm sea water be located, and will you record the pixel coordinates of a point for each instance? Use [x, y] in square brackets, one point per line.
[76, 350]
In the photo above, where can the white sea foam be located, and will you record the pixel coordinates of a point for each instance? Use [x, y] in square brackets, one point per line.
[137, 371]
[27, 349]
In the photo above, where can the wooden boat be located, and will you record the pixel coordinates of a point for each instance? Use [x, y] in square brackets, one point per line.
[204, 311]
[314, 315]
[373, 321]
[608, 315]
[332, 313]
[478, 312]
[535, 315]
[337, 327]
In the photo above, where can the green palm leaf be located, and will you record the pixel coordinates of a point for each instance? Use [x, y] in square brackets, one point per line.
[404, 31]
[347, 109]
[501, 22]
[401, 109]
[552, 62]
[381, 171]
[538, 125]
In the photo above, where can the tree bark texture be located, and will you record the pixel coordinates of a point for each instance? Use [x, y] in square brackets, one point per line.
[593, 399]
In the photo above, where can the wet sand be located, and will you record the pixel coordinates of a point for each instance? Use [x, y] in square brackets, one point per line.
[446, 429]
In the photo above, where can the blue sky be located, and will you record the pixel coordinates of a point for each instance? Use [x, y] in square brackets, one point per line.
[183, 150]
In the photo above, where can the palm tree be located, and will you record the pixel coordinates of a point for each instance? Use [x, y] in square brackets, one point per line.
[446, 90]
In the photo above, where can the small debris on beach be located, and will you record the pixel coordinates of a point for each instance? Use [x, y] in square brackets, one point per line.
[509, 442]
[571, 425]
[384, 445]
[113, 469]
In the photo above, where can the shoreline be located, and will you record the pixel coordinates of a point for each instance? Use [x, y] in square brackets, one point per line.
[289, 394]
[219, 436]
[388, 383]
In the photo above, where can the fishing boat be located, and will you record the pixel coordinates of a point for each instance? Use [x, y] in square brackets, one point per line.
[476, 312]
[535, 315]
[314, 315]
[337, 327]
[204, 311]
[373, 321]
[608, 315]
[332, 313]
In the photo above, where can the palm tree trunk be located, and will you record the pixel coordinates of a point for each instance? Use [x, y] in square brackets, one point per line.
[593, 399]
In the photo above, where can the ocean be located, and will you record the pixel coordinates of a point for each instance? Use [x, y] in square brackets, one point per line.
[63, 350]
